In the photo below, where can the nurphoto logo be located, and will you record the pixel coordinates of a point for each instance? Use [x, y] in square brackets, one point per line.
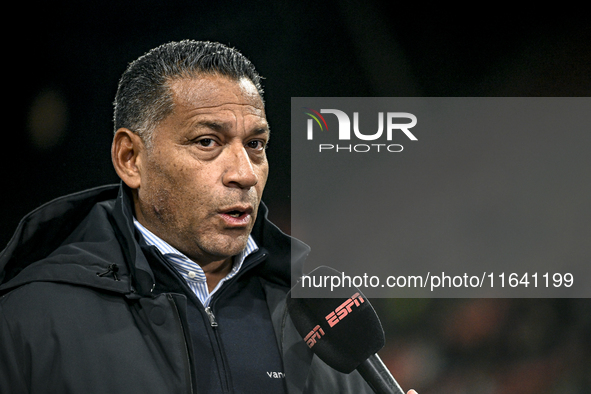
[392, 122]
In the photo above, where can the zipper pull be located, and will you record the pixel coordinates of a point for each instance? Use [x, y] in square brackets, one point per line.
[113, 268]
[211, 317]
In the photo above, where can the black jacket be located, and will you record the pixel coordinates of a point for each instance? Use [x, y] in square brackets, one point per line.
[66, 329]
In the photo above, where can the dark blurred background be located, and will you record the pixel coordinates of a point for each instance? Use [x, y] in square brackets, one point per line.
[63, 61]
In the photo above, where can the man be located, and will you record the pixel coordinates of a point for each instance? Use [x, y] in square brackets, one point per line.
[174, 281]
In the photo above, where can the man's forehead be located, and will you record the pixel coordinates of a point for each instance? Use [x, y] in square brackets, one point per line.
[210, 91]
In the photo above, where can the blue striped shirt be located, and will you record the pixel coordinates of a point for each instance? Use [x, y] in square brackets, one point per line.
[191, 271]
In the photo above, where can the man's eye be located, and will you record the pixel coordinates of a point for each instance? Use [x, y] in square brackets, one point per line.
[206, 142]
[256, 144]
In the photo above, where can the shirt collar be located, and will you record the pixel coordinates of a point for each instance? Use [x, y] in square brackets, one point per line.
[190, 270]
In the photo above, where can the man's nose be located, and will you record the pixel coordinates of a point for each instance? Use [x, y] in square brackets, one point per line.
[240, 171]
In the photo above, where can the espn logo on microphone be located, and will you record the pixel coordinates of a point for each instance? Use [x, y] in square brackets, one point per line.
[316, 333]
[344, 309]
[334, 318]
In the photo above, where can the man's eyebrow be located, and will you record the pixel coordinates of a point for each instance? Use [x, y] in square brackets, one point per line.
[211, 124]
[263, 128]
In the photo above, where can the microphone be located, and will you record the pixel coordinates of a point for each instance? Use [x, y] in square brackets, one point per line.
[344, 332]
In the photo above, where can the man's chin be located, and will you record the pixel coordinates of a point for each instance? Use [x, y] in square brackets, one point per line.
[225, 246]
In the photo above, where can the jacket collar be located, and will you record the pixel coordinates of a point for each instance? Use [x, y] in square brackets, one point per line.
[124, 229]
[40, 235]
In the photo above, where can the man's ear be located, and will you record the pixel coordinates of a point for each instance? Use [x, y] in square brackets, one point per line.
[125, 154]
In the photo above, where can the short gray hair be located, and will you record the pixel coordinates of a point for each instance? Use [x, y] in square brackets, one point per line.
[143, 96]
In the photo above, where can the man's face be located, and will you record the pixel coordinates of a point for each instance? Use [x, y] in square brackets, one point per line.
[203, 177]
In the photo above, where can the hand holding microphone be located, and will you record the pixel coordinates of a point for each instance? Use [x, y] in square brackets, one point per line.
[345, 333]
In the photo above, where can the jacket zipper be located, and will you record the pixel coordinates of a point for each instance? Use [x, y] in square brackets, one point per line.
[214, 324]
[224, 370]
[212, 321]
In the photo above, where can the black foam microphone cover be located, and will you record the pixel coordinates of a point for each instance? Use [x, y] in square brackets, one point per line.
[343, 332]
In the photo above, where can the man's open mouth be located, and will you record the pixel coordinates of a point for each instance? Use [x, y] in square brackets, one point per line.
[237, 216]
[235, 213]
